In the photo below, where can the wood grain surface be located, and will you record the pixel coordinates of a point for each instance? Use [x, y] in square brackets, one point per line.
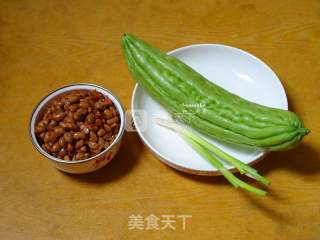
[47, 44]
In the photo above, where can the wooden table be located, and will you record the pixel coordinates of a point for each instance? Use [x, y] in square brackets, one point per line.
[48, 44]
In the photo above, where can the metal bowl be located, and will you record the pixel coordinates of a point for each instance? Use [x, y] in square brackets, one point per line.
[85, 165]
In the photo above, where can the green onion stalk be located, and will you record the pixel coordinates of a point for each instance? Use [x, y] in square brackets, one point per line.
[211, 152]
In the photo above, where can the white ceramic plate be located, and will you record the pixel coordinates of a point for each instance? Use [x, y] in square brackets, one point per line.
[233, 69]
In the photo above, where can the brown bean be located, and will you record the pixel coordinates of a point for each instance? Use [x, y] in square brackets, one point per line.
[68, 126]
[83, 93]
[68, 119]
[68, 137]
[52, 124]
[79, 135]
[49, 137]
[116, 129]
[76, 126]
[94, 128]
[108, 135]
[56, 147]
[107, 102]
[85, 130]
[69, 114]
[58, 104]
[58, 109]
[82, 126]
[82, 111]
[62, 152]
[90, 118]
[101, 132]
[93, 145]
[79, 156]
[98, 105]
[39, 129]
[98, 122]
[43, 123]
[62, 142]
[63, 125]
[58, 131]
[107, 128]
[86, 155]
[111, 121]
[73, 98]
[107, 113]
[95, 94]
[41, 135]
[76, 116]
[79, 143]
[66, 105]
[101, 142]
[113, 111]
[70, 148]
[58, 116]
[48, 112]
[46, 147]
[80, 114]
[79, 117]
[84, 104]
[73, 107]
[83, 148]
[113, 125]
[47, 116]
[93, 137]
[73, 126]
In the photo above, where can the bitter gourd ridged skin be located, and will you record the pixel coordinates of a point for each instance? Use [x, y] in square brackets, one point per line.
[207, 107]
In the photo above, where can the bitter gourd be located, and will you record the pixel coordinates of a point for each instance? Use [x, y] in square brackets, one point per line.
[207, 107]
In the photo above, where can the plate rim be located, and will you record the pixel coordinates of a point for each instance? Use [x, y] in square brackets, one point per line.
[161, 157]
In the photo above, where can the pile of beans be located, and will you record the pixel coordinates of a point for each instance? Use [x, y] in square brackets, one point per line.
[78, 125]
